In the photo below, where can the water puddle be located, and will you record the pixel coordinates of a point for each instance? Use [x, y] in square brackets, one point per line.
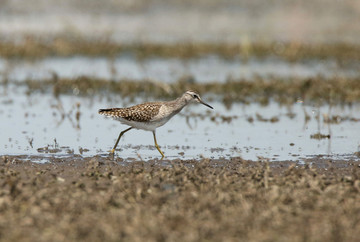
[43, 126]
[204, 69]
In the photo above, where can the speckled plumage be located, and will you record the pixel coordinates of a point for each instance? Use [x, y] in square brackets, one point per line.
[138, 113]
[149, 116]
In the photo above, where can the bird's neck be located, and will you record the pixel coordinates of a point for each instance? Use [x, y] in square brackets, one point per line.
[178, 103]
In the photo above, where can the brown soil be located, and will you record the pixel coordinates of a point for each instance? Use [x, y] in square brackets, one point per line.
[97, 198]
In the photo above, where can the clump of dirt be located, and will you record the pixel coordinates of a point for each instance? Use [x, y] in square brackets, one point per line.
[102, 199]
[260, 118]
[337, 119]
[320, 136]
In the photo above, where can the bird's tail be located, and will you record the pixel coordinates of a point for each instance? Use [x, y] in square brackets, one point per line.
[107, 111]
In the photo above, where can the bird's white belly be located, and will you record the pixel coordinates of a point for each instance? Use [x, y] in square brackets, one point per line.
[164, 115]
[150, 126]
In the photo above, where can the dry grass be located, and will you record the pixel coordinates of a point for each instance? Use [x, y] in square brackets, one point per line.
[69, 45]
[319, 90]
[95, 199]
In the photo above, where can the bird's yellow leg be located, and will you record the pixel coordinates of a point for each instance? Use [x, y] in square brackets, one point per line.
[121, 134]
[157, 146]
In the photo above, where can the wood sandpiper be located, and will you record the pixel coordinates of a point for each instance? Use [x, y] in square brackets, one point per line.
[151, 115]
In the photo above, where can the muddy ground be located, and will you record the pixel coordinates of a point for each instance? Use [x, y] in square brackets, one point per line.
[100, 198]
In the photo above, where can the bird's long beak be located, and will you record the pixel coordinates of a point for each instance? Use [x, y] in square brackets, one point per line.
[207, 105]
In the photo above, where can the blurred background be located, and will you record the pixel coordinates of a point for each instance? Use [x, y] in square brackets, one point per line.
[281, 71]
[319, 21]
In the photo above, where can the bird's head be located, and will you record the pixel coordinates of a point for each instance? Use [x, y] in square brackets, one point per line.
[193, 97]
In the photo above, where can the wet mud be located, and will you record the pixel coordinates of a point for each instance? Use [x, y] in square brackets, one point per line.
[100, 198]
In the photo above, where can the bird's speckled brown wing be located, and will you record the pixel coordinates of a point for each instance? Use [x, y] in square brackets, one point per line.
[139, 113]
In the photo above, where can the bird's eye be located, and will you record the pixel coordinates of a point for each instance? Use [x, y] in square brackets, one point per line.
[195, 96]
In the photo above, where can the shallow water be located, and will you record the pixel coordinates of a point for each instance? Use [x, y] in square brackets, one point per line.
[204, 69]
[39, 124]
